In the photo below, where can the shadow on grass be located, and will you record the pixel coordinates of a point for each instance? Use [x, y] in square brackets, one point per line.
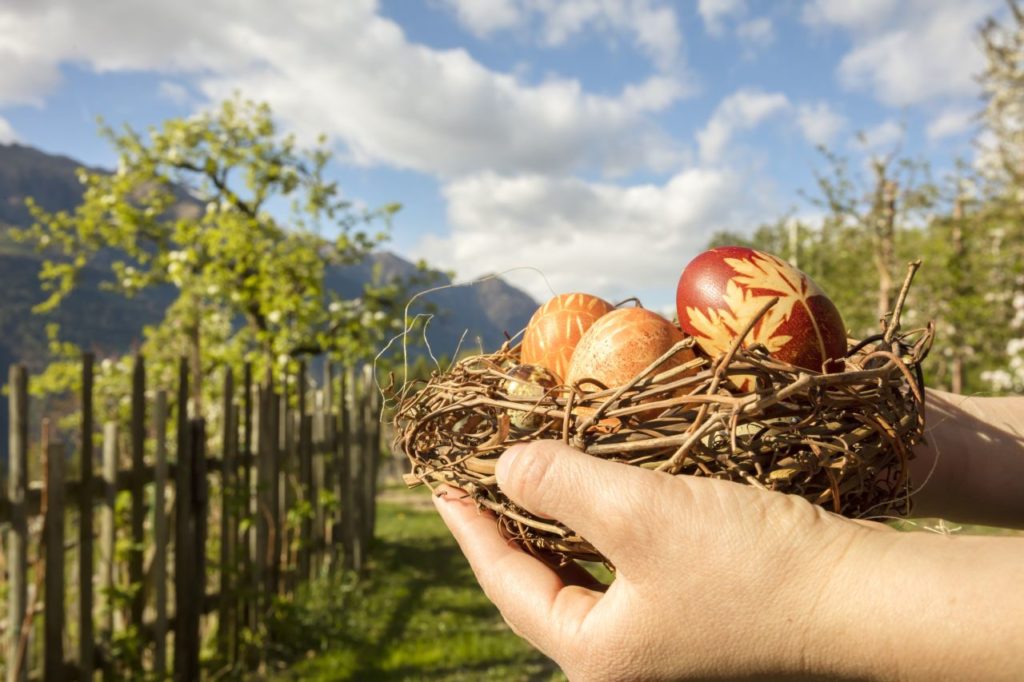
[418, 614]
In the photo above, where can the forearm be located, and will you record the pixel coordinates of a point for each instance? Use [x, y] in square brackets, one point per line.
[924, 607]
[971, 466]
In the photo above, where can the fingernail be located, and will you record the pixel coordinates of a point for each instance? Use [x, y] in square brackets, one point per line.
[506, 461]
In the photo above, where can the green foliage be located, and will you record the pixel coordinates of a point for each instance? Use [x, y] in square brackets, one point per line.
[969, 266]
[968, 230]
[241, 224]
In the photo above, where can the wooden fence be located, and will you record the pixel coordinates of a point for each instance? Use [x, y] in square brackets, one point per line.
[293, 487]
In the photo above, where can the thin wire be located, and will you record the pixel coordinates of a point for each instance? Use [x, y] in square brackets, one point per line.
[407, 327]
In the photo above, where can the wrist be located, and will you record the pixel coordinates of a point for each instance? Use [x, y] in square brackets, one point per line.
[921, 606]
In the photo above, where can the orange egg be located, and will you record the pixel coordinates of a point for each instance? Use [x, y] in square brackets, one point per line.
[622, 344]
[556, 328]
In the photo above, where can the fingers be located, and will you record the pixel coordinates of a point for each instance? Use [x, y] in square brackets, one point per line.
[534, 600]
[612, 505]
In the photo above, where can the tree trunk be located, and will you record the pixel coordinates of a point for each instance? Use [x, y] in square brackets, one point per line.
[956, 375]
[195, 358]
[883, 216]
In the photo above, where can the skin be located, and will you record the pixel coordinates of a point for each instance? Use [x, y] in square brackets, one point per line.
[717, 580]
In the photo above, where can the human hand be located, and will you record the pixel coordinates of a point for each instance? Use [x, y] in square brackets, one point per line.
[713, 579]
[970, 467]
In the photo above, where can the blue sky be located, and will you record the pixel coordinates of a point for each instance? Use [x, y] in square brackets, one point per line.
[599, 142]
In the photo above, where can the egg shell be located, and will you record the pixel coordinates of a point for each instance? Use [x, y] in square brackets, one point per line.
[622, 344]
[722, 289]
[557, 326]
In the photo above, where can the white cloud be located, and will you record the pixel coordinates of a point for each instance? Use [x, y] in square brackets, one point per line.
[758, 32]
[484, 17]
[7, 134]
[653, 26]
[343, 69]
[715, 12]
[882, 137]
[951, 122]
[907, 52]
[611, 240]
[742, 110]
[819, 122]
[862, 15]
[173, 92]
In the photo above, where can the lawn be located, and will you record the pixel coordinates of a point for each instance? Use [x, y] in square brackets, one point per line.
[419, 614]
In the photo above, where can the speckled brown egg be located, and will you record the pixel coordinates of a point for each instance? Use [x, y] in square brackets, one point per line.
[622, 344]
[528, 384]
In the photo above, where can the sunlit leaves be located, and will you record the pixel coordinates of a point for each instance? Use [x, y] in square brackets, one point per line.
[240, 223]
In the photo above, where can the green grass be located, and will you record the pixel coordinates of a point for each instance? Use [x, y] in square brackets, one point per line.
[419, 614]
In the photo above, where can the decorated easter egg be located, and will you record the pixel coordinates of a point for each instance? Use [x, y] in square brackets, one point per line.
[622, 344]
[556, 328]
[722, 290]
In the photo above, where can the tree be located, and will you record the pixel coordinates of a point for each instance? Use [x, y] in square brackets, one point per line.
[194, 207]
[1002, 156]
[1002, 83]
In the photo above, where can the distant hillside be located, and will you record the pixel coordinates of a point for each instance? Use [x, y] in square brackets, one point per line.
[107, 323]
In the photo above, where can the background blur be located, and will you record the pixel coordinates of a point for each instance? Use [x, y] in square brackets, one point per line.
[573, 145]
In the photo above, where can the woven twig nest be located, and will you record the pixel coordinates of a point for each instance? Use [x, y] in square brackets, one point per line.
[840, 440]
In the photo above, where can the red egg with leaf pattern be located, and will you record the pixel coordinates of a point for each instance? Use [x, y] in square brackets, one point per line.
[722, 289]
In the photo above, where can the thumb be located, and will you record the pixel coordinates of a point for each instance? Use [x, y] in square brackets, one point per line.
[616, 507]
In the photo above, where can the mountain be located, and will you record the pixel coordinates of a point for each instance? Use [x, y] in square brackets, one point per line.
[107, 323]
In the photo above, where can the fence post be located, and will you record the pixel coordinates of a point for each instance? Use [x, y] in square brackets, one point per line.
[359, 458]
[53, 606]
[107, 530]
[348, 489]
[288, 479]
[246, 542]
[305, 473]
[86, 648]
[17, 534]
[266, 484]
[340, 465]
[240, 495]
[138, 444]
[277, 523]
[319, 443]
[160, 536]
[330, 463]
[372, 416]
[198, 513]
[228, 521]
[186, 665]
